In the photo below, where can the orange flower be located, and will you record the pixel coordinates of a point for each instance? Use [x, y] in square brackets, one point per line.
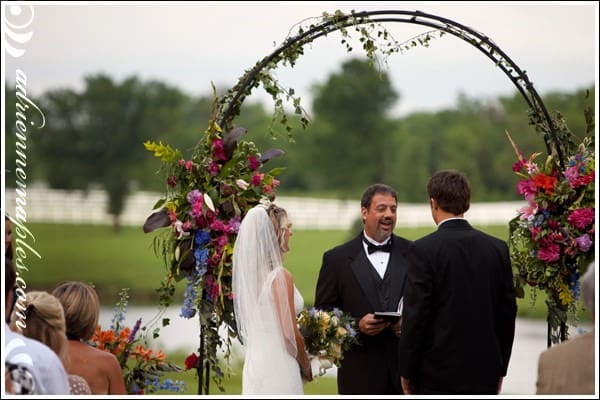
[545, 182]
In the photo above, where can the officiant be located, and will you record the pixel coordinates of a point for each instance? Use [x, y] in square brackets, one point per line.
[363, 276]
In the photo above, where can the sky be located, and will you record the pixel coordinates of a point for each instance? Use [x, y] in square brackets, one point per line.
[190, 45]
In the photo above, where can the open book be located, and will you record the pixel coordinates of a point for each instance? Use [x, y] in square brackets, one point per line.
[391, 316]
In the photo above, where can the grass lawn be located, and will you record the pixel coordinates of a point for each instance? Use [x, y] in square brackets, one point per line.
[95, 254]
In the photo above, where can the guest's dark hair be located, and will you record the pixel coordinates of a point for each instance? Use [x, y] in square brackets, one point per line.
[452, 191]
[376, 188]
[10, 277]
[8, 251]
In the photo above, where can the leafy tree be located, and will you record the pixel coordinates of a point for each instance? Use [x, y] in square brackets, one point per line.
[351, 134]
[96, 136]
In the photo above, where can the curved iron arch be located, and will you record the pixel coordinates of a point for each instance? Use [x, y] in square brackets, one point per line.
[483, 43]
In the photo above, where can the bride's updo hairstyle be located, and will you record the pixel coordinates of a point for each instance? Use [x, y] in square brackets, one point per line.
[280, 221]
[82, 308]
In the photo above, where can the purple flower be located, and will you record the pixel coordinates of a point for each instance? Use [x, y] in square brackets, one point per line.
[584, 242]
[194, 196]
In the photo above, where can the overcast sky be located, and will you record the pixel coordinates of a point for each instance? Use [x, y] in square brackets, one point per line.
[189, 45]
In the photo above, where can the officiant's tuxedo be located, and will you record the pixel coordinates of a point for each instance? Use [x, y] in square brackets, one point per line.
[459, 312]
[348, 281]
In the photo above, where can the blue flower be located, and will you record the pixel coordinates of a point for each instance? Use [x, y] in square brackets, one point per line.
[188, 309]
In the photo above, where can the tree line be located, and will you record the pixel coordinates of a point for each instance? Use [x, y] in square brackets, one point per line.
[95, 137]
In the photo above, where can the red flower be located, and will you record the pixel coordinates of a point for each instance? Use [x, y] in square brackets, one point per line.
[545, 183]
[192, 361]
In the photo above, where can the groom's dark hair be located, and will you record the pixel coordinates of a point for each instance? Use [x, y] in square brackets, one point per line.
[452, 191]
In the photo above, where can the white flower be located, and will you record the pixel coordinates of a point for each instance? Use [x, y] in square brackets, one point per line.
[242, 184]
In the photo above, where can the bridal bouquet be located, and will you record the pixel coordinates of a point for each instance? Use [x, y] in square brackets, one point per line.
[327, 335]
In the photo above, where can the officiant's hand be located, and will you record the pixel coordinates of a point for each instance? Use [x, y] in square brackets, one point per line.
[396, 328]
[369, 325]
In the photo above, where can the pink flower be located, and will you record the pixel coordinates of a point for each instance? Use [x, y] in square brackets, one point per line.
[584, 242]
[549, 253]
[526, 188]
[253, 163]
[581, 218]
[218, 150]
[275, 183]
[527, 211]
[217, 225]
[214, 168]
[257, 178]
[189, 165]
[267, 189]
[172, 181]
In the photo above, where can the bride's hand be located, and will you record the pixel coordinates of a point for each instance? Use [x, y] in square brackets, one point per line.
[306, 373]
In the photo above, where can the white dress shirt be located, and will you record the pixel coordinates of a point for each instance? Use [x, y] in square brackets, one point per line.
[379, 259]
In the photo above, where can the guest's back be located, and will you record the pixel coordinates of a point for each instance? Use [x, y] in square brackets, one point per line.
[569, 367]
[99, 368]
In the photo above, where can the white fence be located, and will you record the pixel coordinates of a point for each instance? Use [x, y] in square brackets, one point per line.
[60, 206]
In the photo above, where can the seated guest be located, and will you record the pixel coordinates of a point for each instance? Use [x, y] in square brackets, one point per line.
[568, 367]
[46, 323]
[30, 357]
[99, 368]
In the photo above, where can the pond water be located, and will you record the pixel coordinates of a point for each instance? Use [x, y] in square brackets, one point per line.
[183, 334]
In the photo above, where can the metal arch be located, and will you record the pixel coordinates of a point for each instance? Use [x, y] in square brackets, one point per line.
[484, 44]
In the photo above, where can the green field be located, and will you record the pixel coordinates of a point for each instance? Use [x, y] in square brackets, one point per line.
[95, 254]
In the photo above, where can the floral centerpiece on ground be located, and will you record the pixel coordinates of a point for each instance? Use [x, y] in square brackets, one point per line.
[327, 334]
[552, 238]
[207, 196]
[143, 368]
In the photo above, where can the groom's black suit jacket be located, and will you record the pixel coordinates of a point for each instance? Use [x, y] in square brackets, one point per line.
[346, 282]
[459, 312]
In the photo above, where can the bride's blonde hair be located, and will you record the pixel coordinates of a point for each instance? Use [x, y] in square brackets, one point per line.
[280, 221]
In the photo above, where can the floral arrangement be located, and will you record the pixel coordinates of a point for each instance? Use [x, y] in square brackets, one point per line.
[207, 196]
[327, 334]
[142, 368]
[551, 239]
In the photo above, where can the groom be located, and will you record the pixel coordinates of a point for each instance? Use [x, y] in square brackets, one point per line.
[360, 277]
[459, 302]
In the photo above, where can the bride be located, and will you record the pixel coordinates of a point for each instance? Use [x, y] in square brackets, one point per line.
[266, 303]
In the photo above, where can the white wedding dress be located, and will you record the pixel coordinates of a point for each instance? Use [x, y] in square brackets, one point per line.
[269, 368]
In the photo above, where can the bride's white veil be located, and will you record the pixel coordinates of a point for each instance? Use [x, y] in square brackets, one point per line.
[261, 296]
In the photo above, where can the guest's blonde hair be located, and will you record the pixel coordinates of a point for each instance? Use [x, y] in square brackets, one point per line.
[82, 308]
[45, 322]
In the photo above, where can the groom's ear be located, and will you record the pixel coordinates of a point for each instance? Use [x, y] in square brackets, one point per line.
[433, 203]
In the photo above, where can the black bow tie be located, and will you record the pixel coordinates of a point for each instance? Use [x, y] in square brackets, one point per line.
[371, 248]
